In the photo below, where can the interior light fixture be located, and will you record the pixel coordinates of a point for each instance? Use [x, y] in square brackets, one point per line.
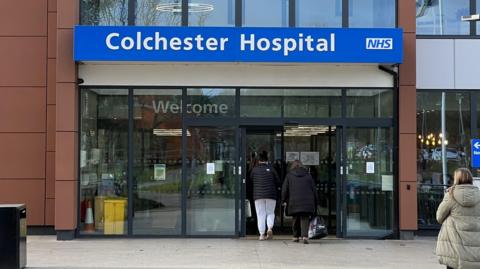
[177, 7]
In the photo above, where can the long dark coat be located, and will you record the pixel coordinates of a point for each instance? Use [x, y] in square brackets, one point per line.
[299, 192]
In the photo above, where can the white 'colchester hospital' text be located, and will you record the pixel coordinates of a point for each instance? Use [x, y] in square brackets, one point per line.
[247, 43]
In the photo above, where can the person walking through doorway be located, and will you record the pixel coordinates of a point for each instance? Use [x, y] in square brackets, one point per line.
[458, 244]
[300, 195]
[265, 184]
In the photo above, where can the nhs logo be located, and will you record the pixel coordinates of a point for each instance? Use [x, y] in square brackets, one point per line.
[379, 43]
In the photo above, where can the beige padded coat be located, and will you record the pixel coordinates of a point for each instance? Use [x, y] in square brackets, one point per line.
[458, 243]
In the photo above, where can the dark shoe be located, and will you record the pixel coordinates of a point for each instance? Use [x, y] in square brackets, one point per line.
[295, 240]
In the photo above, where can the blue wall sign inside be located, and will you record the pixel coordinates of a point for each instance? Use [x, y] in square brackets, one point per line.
[476, 153]
[224, 44]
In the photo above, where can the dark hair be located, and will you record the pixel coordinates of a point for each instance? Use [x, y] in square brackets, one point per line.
[296, 164]
[263, 157]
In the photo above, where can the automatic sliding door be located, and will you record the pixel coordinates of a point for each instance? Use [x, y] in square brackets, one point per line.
[211, 181]
[369, 182]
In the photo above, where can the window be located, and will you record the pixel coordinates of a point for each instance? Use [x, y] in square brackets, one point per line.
[318, 13]
[370, 103]
[265, 13]
[372, 13]
[158, 12]
[211, 13]
[429, 147]
[442, 17]
[104, 12]
[103, 161]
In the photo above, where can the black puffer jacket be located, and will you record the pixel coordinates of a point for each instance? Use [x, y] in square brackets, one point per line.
[265, 182]
[299, 192]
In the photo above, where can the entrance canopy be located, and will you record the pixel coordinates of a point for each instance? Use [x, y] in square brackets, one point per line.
[246, 44]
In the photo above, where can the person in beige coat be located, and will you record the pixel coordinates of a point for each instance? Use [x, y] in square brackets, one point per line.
[458, 244]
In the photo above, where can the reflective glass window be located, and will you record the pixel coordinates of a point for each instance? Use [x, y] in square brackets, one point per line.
[157, 166]
[265, 13]
[103, 161]
[430, 178]
[210, 102]
[442, 17]
[211, 153]
[261, 102]
[375, 103]
[103, 12]
[372, 13]
[311, 103]
[158, 12]
[211, 13]
[318, 13]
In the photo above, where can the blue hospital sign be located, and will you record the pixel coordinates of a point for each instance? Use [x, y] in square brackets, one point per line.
[475, 153]
[235, 44]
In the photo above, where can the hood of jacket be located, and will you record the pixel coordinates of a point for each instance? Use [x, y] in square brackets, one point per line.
[467, 195]
[299, 172]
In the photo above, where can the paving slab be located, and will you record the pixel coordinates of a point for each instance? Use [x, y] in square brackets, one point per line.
[46, 252]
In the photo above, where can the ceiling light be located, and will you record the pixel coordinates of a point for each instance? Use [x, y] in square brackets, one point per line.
[177, 7]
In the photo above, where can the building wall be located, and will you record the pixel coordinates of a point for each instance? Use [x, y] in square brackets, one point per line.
[66, 124]
[448, 64]
[23, 107]
[407, 121]
[38, 111]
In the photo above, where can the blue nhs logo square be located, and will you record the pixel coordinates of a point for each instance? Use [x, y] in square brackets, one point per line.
[379, 43]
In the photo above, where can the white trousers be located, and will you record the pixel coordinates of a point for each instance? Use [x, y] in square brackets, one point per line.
[265, 209]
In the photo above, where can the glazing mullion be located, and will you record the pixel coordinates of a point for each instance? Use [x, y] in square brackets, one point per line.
[238, 13]
[345, 12]
[184, 165]
[292, 13]
[184, 12]
[130, 164]
[473, 24]
[131, 11]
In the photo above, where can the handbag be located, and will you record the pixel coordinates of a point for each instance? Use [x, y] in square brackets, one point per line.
[248, 209]
[317, 228]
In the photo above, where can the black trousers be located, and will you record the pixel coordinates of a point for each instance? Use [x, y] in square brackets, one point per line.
[448, 267]
[300, 225]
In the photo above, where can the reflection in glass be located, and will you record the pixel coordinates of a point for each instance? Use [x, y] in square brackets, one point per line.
[158, 12]
[429, 147]
[103, 161]
[319, 13]
[442, 17]
[211, 181]
[157, 167]
[211, 13]
[372, 13]
[104, 12]
[369, 181]
[303, 103]
[210, 102]
[266, 13]
[261, 102]
[370, 103]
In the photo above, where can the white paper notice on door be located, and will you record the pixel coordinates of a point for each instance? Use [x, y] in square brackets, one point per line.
[210, 168]
[387, 183]
[370, 167]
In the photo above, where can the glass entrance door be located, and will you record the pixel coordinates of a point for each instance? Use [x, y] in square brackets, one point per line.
[368, 182]
[314, 145]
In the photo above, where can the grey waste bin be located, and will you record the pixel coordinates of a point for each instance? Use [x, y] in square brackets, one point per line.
[13, 236]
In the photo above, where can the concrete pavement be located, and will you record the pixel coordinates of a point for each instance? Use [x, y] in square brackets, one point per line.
[46, 252]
